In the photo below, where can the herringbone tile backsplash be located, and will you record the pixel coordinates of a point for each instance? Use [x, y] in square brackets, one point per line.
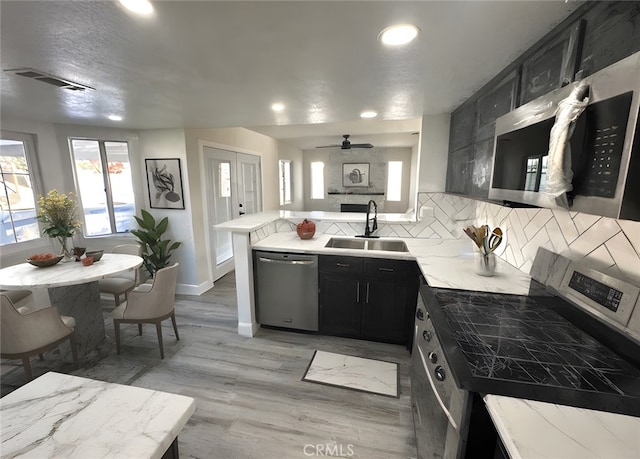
[606, 244]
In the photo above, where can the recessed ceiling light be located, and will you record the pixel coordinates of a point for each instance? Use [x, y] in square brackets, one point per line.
[400, 34]
[115, 118]
[143, 7]
[368, 114]
[277, 107]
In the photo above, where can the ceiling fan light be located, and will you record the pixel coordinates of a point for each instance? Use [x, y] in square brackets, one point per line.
[277, 107]
[115, 117]
[368, 114]
[143, 7]
[399, 34]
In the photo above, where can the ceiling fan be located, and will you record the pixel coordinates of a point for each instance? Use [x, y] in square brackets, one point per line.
[346, 145]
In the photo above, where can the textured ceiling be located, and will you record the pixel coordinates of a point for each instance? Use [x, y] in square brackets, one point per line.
[219, 64]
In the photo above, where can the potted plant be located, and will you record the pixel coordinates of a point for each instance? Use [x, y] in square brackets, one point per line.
[57, 213]
[155, 250]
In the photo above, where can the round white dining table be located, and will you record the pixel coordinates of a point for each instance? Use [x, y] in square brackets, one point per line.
[73, 290]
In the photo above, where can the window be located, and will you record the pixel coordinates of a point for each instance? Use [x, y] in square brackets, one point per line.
[317, 180]
[285, 181]
[18, 221]
[224, 179]
[394, 181]
[536, 174]
[105, 187]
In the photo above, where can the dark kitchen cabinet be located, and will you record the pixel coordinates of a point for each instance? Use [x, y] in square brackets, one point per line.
[367, 298]
[612, 33]
[460, 170]
[461, 129]
[495, 103]
[553, 65]
[339, 300]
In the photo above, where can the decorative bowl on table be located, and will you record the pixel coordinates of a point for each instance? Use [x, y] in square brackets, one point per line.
[95, 254]
[42, 260]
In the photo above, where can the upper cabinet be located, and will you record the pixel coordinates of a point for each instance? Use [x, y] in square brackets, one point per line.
[500, 99]
[461, 130]
[553, 65]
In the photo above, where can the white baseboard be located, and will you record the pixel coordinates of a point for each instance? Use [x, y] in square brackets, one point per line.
[190, 289]
[247, 329]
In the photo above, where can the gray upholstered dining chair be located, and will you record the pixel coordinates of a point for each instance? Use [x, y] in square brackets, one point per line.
[19, 298]
[150, 303]
[26, 333]
[121, 283]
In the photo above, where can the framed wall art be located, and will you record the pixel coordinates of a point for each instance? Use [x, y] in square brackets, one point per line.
[164, 180]
[355, 175]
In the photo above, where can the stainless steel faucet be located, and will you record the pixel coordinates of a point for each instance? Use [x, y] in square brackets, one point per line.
[369, 231]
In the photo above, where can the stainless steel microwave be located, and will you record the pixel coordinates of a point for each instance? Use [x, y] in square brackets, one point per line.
[605, 147]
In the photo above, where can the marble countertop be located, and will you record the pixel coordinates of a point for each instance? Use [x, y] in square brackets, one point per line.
[539, 430]
[67, 416]
[28, 276]
[445, 263]
[252, 222]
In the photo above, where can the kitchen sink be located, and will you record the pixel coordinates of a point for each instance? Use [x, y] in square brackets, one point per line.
[338, 243]
[388, 245]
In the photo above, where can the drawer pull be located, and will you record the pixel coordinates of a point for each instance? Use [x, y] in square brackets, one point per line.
[433, 357]
[387, 270]
[426, 335]
[420, 314]
[343, 265]
[440, 373]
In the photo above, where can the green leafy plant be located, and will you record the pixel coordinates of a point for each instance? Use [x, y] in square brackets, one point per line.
[155, 250]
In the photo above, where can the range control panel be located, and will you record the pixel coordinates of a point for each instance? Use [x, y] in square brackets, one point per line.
[605, 296]
[602, 294]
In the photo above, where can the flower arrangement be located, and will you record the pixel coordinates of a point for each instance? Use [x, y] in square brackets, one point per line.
[57, 212]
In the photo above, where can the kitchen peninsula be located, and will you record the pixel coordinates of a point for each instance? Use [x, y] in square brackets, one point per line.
[446, 263]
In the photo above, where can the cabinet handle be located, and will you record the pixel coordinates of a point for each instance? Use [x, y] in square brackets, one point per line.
[440, 373]
[358, 292]
[342, 265]
[420, 314]
[367, 299]
[388, 270]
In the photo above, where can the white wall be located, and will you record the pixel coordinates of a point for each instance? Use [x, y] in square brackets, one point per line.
[294, 155]
[170, 143]
[434, 150]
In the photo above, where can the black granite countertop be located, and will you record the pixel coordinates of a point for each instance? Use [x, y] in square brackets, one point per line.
[535, 347]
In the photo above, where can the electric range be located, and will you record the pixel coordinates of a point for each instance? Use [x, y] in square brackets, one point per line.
[536, 347]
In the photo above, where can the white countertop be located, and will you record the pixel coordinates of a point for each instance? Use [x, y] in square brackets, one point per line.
[539, 430]
[61, 274]
[445, 263]
[252, 222]
[67, 416]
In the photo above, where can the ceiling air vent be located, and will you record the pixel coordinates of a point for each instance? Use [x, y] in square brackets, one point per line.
[49, 79]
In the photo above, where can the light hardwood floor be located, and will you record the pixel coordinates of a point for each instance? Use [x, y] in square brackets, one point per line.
[251, 401]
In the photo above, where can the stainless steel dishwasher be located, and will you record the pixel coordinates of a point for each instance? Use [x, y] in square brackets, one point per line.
[287, 290]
